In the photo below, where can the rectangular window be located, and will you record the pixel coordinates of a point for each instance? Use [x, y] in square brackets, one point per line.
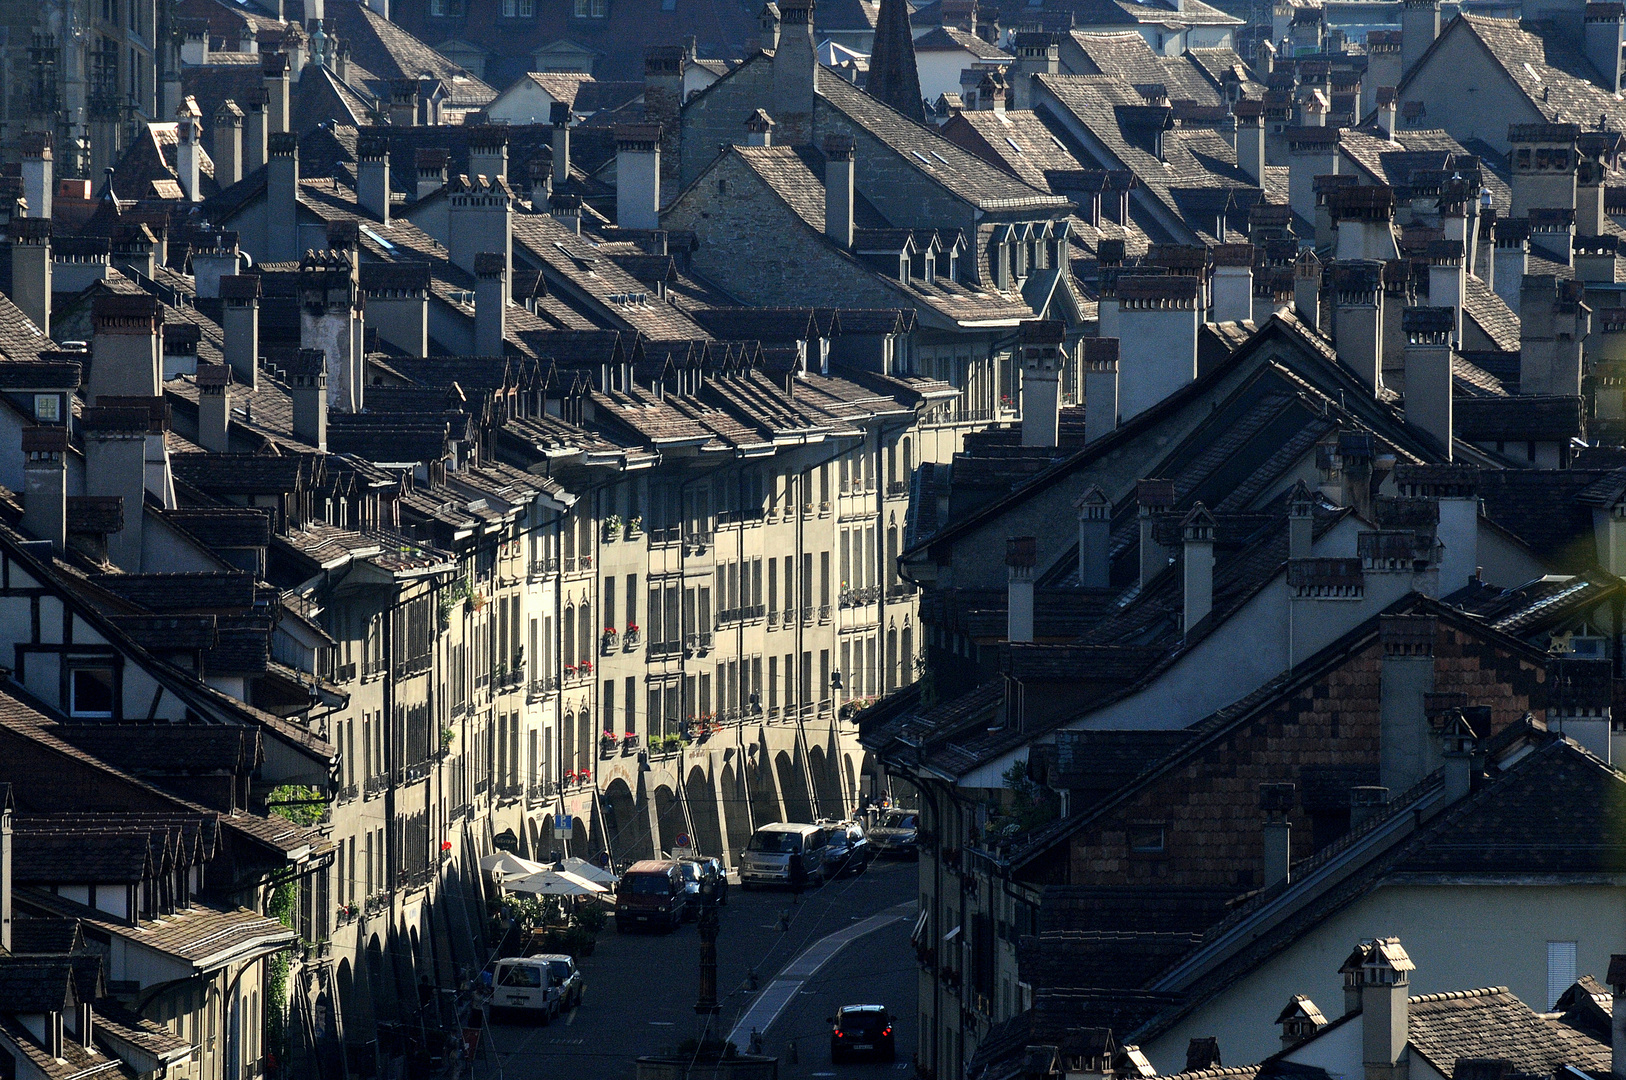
[48, 408]
[656, 635]
[674, 628]
[756, 583]
[632, 703]
[90, 691]
[773, 586]
[608, 703]
[654, 717]
[1560, 970]
[632, 601]
[1145, 839]
[609, 600]
[773, 682]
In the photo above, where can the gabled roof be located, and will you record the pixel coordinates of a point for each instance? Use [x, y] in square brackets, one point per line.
[953, 39]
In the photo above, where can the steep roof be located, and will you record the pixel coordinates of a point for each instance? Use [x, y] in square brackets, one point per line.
[893, 76]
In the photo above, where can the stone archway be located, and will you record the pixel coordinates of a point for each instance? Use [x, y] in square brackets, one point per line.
[736, 810]
[626, 831]
[793, 790]
[826, 783]
[669, 819]
[852, 780]
[704, 812]
[764, 789]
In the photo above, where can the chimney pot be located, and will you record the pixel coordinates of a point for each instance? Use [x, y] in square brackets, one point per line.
[1021, 555]
[1094, 539]
[1041, 343]
[1197, 535]
[1099, 361]
[838, 189]
[45, 490]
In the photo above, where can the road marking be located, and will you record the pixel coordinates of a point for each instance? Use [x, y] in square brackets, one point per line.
[767, 1007]
[663, 1023]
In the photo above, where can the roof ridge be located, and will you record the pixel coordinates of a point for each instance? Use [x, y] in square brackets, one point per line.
[1458, 995]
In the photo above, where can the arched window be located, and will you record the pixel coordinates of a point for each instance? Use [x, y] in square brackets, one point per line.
[568, 625]
[891, 660]
[584, 741]
[584, 634]
[908, 654]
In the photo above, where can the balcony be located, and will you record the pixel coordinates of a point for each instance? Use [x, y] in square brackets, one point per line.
[349, 792]
[541, 791]
[570, 564]
[897, 489]
[481, 785]
[584, 564]
[544, 567]
[510, 791]
[629, 744]
[606, 746]
[631, 639]
[376, 903]
[414, 665]
[900, 589]
[824, 613]
[540, 688]
[416, 878]
[375, 786]
[345, 672]
[773, 620]
[696, 543]
[609, 642]
[416, 772]
[807, 615]
[372, 669]
[664, 648]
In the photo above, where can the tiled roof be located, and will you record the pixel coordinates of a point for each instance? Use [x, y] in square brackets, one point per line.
[1520, 418]
[1555, 78]
[1127, 56]
[961, 173]
[35, 985]
[197, 591]
[202, 935]
[1021, 141]
[1542, 507]
[1492, 1023]
[952, 39]
[1491, 314]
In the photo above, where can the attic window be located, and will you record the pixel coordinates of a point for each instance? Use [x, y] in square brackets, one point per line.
[921, 156]
[940, 157]
[379, 240]
[1146, 839]
[90, 691]
[1012, 141]
[1533, 74]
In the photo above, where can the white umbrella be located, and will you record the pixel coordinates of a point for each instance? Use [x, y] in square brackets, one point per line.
[584, 869]
[553, 883]
[505, 864]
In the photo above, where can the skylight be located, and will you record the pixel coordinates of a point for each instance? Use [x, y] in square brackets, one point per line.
[1533, 74]
[939, 157]
[1012, 141]
[379, 240]
[921, 156]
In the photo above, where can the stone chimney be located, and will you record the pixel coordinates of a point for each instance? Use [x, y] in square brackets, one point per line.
[403, 102]
[1155, 498]
[1603, 43]
[559, 115]
[397, 304]
[1512, 250]
[1021, 555]
[254, 129]
[838, 189]
[1094, 539]
[567, 211]
[1552, 234]
[189, 150]
[431, 163]
[282, 199]
[1041, 344]
[1428, 372]
[307, 383]
[228, 155]
[490, 303]
[1455, 490]
[1036, 54]
[1543, 163]
[181, 349]
[116, 467]
[1363, 217]
[1250, 139]
[214, 407]
[480, 219]
[638, 176]
[1388, 104]
[1596, 258]
[1385, 988]
[1358, 318]
[1233, 282]
[1579, 702]
[1419, 26]
[1197, 537]
[45, 486]
[274, 72]
[126, 354]
[1300, 522]
[1307, 287]
[1553, 324]
[1590, 173]
[1406, 674]
[330, 322]
[1445, 281]
[240, 327]
[1098, 361]
[373, 176]
[39, 184]
[1311, 152]
[210, 264]
[488, 152]
[759, 129]
[1276, 801]
[195, 41]
[1157, 339]
[31, 268]
[795, 73]
[1617, 1023]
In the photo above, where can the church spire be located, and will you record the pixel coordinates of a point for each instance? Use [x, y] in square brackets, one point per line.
[893, 77]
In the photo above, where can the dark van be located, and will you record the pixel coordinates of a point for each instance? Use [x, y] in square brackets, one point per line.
[650, 896]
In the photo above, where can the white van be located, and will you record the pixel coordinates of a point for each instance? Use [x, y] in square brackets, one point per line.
[525, 986]
[784, 853]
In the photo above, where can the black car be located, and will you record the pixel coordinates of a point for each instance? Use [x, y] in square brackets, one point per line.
[897, 835]
[861, 1031]
[848, 851]
[709, 871]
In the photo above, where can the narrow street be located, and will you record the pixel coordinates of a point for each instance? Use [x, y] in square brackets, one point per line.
[641, 988]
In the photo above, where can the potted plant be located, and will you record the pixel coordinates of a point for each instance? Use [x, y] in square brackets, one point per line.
[447, 735]
[633, 635]
[635, 524]
[612, 527]
[610, 639]
[607, 742]
[570, 671]
[585, 668]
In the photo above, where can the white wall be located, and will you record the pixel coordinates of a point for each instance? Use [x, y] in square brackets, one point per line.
[1459, 936]
[940, 71]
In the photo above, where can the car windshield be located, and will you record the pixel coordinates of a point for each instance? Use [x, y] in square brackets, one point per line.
[898, 820]
[646, 883]
[776, 843]
[691, 872]
[866, 1021]
[560, 969]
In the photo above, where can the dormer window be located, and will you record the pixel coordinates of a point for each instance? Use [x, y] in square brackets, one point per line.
[903, 268]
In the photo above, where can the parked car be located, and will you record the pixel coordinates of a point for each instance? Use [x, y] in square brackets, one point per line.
[861, 1031]
[784, 853]
[848, 850]
[897, 835]
[567, 979]
[650, 896]
[711, 870]
[691, 889]
[525, 987]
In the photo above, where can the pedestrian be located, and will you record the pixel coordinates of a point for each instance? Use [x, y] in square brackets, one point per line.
[755, 1045]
